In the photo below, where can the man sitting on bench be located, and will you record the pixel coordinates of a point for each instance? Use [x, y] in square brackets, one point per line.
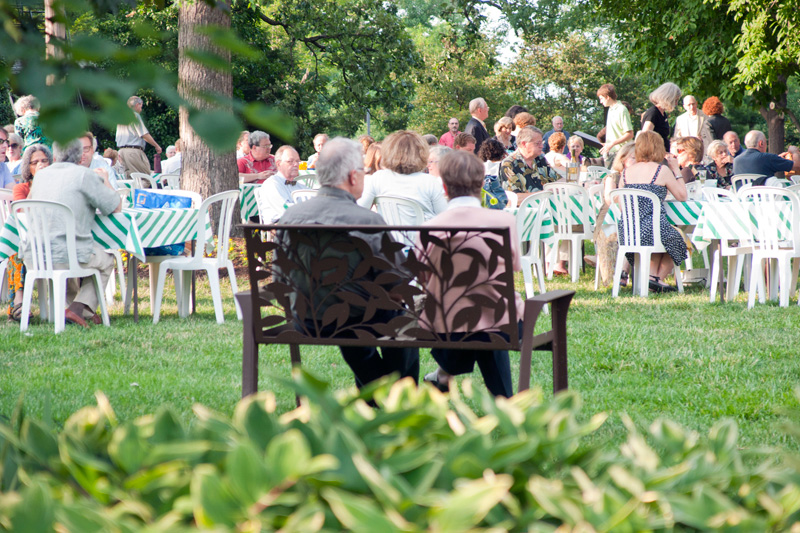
[340, 172]
[462, 174]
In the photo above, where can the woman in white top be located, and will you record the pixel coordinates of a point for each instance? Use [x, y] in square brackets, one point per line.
[404, 157]
[555, 157]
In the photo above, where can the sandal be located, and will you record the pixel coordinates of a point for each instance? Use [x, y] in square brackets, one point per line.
[658, 287]
[623, 279]
[15, 313]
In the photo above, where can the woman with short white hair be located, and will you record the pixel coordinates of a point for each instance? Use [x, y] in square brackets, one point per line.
[27, 125]
[721, 166]
[664, 100]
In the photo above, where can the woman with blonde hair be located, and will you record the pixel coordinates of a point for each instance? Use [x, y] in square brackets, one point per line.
[502, 134]
[404, 158]
[372, 159]
[651, 175]
[664, 100]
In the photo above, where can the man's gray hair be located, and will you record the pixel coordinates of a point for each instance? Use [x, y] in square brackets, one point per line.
[282, 150]
[526, 134]
[753, 137]
[338, 158]
[557, 117]
[69, 153]
[255, 138]
[25, 166]
[475, 104]
[430, 139]
[25, 103]
[134, 100]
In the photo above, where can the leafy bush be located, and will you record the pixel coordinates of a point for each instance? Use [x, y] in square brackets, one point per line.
[420, 462]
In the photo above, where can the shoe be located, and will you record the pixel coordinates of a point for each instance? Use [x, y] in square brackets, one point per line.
[72, 318]
[623, 279]
[590, 260]
[658, 287]
[432, 379]
[96, 319]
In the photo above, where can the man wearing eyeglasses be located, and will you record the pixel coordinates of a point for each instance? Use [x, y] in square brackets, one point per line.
[526, 170]
[276, 192]
[6, 181]
[259, 164]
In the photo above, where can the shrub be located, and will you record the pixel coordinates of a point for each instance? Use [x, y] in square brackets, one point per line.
[421, 462]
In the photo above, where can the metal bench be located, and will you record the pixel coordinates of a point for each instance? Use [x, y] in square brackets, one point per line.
[320, 285]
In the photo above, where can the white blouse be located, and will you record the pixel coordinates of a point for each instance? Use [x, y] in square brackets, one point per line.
[423, 188]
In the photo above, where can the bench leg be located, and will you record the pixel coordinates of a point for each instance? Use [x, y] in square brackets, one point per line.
[249, 346]
[560, 308]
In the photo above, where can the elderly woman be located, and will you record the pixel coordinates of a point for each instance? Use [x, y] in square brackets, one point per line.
[242, 145]
[719, 124]
[27, 125]
[664, 100]
[721, 166]
[502, 134]
[434, 156]
[651, 175]
[462, 174]
[37, 157]
[555, 157]
[404, 157]
[14, 153]
[372, 159]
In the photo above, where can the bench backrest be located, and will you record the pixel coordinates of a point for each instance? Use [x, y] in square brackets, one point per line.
[317, 284]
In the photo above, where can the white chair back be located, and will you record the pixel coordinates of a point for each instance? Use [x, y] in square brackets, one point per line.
[567, 196]
[126, 184]
[308, 179]
[795, 179]
[530, 214]
[141, 179]
[630, 203]
[739, 180]
[794, 188]
[44, 220]
[301, 195]
[6, 197]
[767, 206]
[228, 201]
[398, 211]
[170, 181]
[715, 195]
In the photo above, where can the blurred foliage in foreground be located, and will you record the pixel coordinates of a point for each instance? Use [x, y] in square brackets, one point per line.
[420, 462]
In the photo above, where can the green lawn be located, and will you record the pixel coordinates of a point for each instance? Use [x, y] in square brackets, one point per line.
[674, 356]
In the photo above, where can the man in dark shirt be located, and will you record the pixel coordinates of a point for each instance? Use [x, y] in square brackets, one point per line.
[734, 146]
[756, 159]
[340, 172]
[558, 125]
[476, 126]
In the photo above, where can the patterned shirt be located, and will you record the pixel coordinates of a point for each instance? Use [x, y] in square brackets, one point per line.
[713, 174]
[27, 127]
[517, 176]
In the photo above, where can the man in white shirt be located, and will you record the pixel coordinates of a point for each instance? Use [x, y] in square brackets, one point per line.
[275, 194]
[693, 123]
[173, 164]
[92, 160]
[131, 139]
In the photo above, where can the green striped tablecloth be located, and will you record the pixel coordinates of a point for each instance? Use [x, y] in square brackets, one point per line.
[247, 201]
[734, 221]
[132, 230]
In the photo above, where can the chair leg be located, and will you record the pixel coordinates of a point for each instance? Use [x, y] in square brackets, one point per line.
[773, 279]
[540, 277]
[132, 268]
[103, 308]
[678, 280]
[785, 273]
[59, 301]
[158, 294]
[712, 280]
[44, 303]
[185, 302]
[527, 276]
[575, 260]
[754, 284]
[234, 288]
[213, 280]
[27, 296]
[111, 287]
[617, 274]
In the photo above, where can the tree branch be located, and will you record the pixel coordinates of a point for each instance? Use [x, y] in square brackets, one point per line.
[315, 40]
[793, 118]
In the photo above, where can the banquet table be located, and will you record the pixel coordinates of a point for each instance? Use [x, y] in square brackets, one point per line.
[247, 201]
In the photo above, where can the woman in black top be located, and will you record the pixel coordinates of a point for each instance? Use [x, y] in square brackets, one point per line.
[664, 100]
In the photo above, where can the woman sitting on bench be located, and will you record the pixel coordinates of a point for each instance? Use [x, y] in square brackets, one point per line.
[462, 174]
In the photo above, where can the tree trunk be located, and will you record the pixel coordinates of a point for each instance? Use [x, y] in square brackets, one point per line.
[776, 123]
[203, 170]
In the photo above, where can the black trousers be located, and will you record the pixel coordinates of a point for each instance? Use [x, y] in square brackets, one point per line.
[495, 365]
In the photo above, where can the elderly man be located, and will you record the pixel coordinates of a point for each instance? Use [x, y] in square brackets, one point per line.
[526, 170]
[171, 151]
[275, 195]
[85, 192]
[558, 125]
[693, 123]
[340, 171]
[476, 126]
[259, 164]
[173, 164]
[450, 135]
[756, 159]
[734, 146]
[131, 139]
[92, 160]
[464, 142]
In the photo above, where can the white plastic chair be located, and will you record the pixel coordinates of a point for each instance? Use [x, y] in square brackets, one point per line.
[513, 200]
[717, 196]
[529, 227]
[765, 204]
[794, 188]
[739, 180]
[795, 179]
[628, 200]
[144, 181]
[567, 227]
[308, 179]
[126, 184]
[229, 200]
[170, 181]
[38, 215]
[398, 211]
[154, 261]
[301, 195]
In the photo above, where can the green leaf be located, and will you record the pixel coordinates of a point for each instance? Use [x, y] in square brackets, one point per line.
[219, 128]
[270, 119]
[357, 513]
[247, 474]
[40, 441]
[468, 504]
[63, 124]
[213, 502]
[37, 511]
[286, 456]
[127, 448]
